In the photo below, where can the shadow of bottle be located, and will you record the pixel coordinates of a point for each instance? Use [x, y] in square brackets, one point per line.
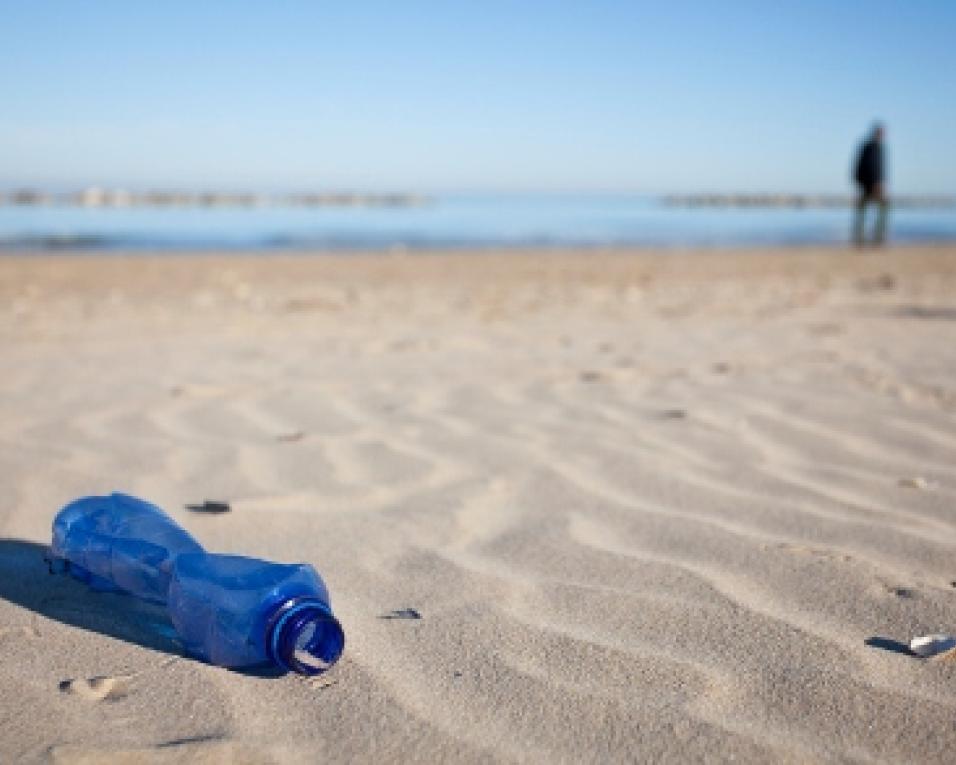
[25, 580]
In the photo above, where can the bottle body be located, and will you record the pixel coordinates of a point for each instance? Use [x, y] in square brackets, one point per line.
[120, 542]
[229, 610]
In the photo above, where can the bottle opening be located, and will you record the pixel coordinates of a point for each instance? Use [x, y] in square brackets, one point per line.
[306, 638]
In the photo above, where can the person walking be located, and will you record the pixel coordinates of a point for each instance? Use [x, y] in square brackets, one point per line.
[870, 174]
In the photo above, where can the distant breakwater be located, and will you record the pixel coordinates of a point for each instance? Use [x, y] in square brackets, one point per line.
[121, 198]
[798, 201]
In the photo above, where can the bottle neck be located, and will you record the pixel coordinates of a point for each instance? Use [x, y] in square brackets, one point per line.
[303, 636]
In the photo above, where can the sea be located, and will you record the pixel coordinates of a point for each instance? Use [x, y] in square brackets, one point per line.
[449, 221]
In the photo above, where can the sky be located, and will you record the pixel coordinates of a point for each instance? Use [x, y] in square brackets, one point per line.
[491, 96]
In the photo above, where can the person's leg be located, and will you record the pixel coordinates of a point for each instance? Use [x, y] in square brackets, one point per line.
[858, 219]
[882, 210]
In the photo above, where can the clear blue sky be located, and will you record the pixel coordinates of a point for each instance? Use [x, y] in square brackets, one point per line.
[474, 95]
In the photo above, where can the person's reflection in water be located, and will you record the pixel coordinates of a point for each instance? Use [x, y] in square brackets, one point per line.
[869, 174]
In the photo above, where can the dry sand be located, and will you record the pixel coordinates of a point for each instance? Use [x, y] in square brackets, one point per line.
[648, 506]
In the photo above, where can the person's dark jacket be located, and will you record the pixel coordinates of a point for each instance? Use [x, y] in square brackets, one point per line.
[869, 165]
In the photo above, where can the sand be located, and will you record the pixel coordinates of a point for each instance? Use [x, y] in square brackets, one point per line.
[649, 507]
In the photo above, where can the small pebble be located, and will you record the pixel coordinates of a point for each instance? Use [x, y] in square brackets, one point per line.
[901, 592]
[402, 613]
[210, 506]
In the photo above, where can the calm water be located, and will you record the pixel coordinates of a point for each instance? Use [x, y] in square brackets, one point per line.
[449, 221]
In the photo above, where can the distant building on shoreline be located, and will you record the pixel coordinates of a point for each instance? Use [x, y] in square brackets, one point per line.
[798, 201]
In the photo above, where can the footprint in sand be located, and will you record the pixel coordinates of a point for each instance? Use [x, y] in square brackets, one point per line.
[98, 688]
[882, 282]
[27, 630]
[825, 329]
[674, 414]
[197, 390]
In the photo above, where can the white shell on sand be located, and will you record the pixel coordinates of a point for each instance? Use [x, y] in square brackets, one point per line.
[917, 482]
[930, 645]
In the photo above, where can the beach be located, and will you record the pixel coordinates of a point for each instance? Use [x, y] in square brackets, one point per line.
[593, 505]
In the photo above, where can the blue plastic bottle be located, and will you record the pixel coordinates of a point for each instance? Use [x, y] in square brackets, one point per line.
[228, 610]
